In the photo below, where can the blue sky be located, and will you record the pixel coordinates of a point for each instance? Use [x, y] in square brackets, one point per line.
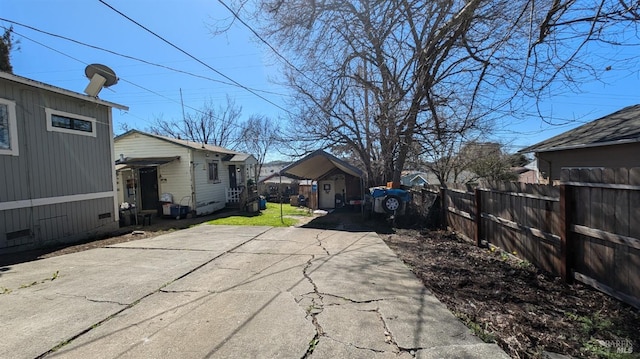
[152, 92]
[149, 91]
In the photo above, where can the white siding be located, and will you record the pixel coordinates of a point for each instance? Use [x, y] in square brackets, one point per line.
[176, 177]
[173, 177]
[139, 145]
[210, 197]
[120, 186]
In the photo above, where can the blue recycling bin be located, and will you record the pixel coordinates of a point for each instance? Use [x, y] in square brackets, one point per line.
[178, 211]
[263, 203]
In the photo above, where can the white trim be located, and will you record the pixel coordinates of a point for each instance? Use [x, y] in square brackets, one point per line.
[13, 128]
[51, 128]
[46, 201]
[114, 175]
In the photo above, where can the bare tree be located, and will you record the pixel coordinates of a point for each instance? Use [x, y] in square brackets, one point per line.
[373, 77]
[212, 126]
[259, 135]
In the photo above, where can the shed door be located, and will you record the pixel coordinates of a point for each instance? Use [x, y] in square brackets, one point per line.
[327, 194]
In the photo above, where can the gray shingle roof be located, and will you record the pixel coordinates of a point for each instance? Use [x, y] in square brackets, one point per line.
[620, 127]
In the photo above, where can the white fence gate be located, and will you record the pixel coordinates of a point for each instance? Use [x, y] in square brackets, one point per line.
[234, 195]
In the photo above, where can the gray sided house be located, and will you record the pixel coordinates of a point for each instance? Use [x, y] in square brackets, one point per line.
[612, 141]
[203, 177]
[416, 179]
[57, 181]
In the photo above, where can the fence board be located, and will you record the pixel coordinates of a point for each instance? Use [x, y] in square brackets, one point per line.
[634, 232]
[525, 218]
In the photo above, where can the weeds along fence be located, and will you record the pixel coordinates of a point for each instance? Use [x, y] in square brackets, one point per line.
[585, 229]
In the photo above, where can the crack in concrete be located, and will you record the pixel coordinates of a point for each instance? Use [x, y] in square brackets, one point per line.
[317, 304]
[351, 301]
[316, 308]
[355, 346]
[321, 245]
[162, 290]
[389, 337]
[131, 305]
[104, 301]
[91, 300]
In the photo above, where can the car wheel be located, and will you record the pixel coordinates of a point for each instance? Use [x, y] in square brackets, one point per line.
[391, 204]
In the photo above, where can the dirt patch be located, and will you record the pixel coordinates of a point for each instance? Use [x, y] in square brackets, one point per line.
[526, 311]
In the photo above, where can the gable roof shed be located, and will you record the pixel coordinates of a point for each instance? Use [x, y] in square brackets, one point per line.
[317, 164]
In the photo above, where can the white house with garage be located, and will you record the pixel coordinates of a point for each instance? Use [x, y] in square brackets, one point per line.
[156, 171]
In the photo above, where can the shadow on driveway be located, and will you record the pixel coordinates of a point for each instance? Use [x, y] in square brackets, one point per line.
[158, 226]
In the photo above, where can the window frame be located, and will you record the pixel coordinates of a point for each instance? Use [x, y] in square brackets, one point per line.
[51, 128]
[13, 149]
[216, 172]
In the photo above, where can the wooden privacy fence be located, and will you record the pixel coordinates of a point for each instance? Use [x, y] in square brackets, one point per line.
[585, 229]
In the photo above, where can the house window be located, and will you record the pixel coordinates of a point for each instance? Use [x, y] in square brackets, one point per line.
[213, 172]
[58, 121]
[8, 128]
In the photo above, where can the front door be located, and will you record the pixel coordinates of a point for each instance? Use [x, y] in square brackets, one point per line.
[149, 188]
[232, 177]
[326, 194]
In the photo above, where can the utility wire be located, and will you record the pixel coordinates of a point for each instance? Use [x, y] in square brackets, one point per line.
[194, 58]
[237, 16]
[129, 82]
[124, 56]
[119, 78]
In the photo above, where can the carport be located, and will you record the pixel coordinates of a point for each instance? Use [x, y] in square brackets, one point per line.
[338, 183]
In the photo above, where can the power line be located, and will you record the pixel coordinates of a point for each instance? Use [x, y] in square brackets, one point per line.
[193, 57]
[123, 55]
[82, 62]
[124, 80]
[237, 16]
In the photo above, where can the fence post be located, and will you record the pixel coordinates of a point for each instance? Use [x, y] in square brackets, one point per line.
[478, 203]
[443, 207]
[566, 245]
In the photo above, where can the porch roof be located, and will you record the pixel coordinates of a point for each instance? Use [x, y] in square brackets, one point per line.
[137, 162]
[317, 164]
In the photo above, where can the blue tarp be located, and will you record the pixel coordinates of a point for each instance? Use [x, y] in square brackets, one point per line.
[382, 192]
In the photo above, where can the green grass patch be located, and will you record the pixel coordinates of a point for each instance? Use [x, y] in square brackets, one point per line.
[267, 217]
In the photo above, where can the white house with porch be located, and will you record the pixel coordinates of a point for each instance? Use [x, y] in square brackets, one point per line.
[153, 170]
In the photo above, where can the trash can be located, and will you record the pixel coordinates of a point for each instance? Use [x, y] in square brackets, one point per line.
[263, 203]
[178, 211]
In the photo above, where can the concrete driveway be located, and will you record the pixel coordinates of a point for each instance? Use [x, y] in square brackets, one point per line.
[229, 292]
